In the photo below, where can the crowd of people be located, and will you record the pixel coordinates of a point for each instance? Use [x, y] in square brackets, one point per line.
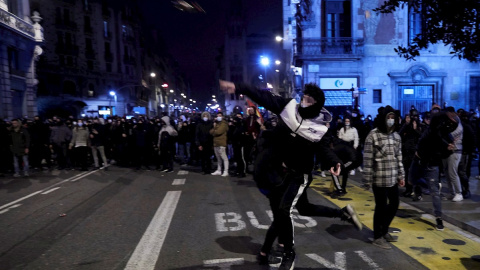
[389, 150]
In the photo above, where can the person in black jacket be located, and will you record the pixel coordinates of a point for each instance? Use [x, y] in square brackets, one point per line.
[204, 142]
[238, 143]
[285, 158]
[435, 144]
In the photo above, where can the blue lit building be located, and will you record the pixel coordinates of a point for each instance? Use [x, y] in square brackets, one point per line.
[19, 39]
[348, 50]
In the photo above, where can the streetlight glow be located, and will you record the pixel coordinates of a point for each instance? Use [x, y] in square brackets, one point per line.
[278, 38]
[277, 62]
[264, 61]
[112, 93]
[153, 74]
[171, 91]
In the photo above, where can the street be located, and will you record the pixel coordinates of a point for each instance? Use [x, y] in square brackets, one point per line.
[125, 219]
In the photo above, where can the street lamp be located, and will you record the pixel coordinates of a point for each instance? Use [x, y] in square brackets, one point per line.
[265, 62]
[153, 74]
[278, 38]
[113, 95]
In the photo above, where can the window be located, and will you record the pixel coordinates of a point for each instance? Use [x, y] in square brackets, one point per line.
[87, 24]
[58, 15]
[12, 6]
[90, 64]
[66, 16]
[377, 95]
[337, 19]
[70, 61]
[107, 48]
[109, 67]
[415, 23]
[88, 44]
[105, 28]
[13, 63]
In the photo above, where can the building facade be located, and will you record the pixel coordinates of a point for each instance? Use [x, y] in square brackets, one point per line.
[91, 65]
[19, 40]
[348, 50]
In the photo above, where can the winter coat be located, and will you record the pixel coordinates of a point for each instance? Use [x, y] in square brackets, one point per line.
[19, 140]
[166, 128]
[202, 135]
[80, 137]
[219, 133]
[350, 135]
[60, 135]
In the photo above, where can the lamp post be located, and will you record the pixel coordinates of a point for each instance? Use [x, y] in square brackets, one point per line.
[113, 95]
[265, 62]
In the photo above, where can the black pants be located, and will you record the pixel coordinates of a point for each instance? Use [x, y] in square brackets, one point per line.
[282, 201]
[81, 157]
[239, 158]
[206, 159]
[60, 151]
[386, 206]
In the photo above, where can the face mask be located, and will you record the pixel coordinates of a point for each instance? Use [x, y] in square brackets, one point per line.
[74, 123]
[219, 119]
[390, 122]
[109, 121]
[274, 124]
[305, 105]
[80, 124]
[310, 111]
[347, 124]
[354, 115]
[205, 119]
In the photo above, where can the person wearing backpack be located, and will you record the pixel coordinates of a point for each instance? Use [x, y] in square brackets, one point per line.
[166, 144]
[285, 159]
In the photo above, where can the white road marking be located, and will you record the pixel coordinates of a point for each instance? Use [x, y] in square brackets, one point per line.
[223, 264]
[43, 190]
[80, 177]
[146, 253]
[368, 260]
[51, 190]
[11, 207]
[340, 260]
[221, 219]
[177, 182]
[181, 172]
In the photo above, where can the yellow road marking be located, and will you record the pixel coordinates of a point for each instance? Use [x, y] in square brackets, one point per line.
[417, 235]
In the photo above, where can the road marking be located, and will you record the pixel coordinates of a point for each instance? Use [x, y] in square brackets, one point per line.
[146, 253]
[86, 174]
[51, 190]
[368, 260]
[221, 220]
[177, 182]
[8, 209]
[182, 172]
[43, 190]
[223, 264]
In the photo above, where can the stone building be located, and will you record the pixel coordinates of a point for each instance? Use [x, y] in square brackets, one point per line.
[348, 50]
[91, 65]
[19, 39]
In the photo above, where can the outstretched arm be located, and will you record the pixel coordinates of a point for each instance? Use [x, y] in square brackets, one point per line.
[267, 99]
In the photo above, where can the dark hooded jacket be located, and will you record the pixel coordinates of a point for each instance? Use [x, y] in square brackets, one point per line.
[433, 145]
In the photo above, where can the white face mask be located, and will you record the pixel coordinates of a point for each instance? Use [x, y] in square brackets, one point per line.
[304, 104]
[347, 124]
[390, 122]
[219, 119]
[205, 119]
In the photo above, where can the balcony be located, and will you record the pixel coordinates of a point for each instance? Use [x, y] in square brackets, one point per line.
[14, 22]
[328, 48]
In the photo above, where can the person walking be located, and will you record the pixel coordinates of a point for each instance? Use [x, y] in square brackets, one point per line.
[80, 142]
[219, 134]
[384, 172]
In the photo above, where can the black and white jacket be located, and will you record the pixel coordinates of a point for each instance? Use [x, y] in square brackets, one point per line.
[295, 140]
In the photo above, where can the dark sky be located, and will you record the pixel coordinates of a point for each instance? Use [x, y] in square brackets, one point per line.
[193, 38]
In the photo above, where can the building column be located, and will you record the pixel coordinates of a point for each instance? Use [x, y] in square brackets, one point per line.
[4, 83]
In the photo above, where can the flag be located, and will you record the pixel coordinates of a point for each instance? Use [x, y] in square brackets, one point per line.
[257, 112]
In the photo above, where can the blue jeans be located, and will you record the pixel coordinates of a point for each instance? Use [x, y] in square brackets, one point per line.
[427, 176]
[16, 164]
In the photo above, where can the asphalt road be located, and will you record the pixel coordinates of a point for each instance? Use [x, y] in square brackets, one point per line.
[122, 219]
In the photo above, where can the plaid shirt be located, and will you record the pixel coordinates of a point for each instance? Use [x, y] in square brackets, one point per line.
[382, 159]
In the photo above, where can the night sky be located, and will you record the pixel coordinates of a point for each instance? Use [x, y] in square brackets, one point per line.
[194, 38]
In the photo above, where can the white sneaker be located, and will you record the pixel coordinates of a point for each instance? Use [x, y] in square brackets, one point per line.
[360, 169]
[323, 174]
[217, 173]
[352, 172]
[225, 174]
[457, 198]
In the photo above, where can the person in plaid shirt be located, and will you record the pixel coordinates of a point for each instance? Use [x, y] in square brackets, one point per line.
[383, 171]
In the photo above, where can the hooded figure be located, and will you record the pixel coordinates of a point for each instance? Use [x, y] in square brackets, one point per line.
[384, 172]
[166, 144]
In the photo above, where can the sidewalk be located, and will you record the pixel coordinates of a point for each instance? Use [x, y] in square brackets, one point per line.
[464, 214]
